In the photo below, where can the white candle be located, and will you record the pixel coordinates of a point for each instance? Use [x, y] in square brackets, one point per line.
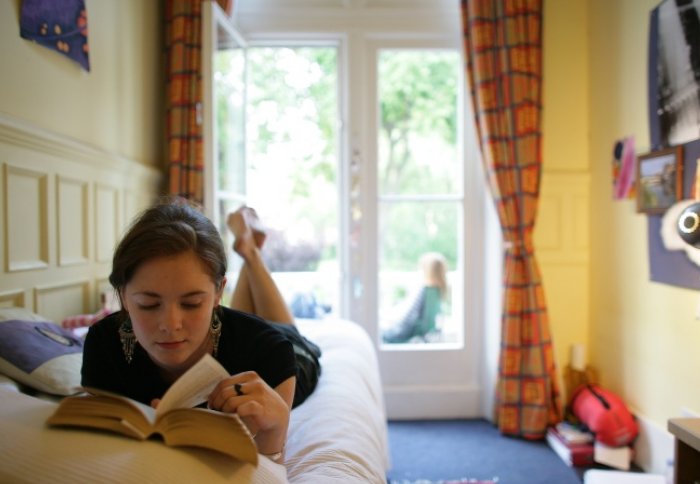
[578, 357]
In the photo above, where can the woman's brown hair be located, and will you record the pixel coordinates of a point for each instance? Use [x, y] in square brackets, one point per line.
[170, 227]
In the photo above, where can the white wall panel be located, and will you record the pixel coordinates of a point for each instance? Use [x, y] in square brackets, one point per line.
[106, 221]
[562, 227]
[63, 206]
[12, 299]
[26, 214]
[72, 221]
[57, 301]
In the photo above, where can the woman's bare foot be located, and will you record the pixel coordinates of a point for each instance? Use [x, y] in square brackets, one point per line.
[247, 230]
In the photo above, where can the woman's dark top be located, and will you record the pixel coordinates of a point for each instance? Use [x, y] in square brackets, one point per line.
[247, 343]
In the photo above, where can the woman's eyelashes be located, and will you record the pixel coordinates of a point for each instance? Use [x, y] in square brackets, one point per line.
[191, 305]
[148, 307]
[184, 305]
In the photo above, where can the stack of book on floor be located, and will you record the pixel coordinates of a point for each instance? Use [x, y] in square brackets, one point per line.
[573, 445]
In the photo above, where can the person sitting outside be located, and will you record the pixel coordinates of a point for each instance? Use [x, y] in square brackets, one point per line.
[420, 319]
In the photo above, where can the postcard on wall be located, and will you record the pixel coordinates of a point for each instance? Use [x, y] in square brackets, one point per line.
[624, 169]
[659, 180]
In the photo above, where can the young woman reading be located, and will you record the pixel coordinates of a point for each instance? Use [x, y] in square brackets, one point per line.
[169, 273]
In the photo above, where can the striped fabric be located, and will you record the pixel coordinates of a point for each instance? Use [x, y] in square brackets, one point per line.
[83, 320]
[184, 95]
[503, 47]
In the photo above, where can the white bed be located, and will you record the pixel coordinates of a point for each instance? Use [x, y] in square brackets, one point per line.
[64, 206]
[338, 435]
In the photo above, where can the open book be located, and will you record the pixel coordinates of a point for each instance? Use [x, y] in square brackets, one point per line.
[175, 420]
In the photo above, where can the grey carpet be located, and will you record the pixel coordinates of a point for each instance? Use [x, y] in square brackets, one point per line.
[456, 449]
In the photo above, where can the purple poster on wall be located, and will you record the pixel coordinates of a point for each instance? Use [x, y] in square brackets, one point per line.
[674, 266]
[60, 25]
[674, 119]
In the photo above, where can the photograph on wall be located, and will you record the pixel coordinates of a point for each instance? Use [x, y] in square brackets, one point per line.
[678, 71]
[659, 180]
[672, 261]
[668, 265]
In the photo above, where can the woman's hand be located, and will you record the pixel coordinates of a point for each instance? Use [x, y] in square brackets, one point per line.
[264, 410]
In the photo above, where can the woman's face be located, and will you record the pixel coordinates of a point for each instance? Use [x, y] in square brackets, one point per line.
[170, 301]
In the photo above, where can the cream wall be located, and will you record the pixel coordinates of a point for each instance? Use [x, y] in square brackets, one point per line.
[117, 106]
[641, 336]
[80, 154]
[644, 335]
[562, 230]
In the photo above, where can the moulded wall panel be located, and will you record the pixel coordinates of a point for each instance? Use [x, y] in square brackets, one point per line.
[12, 299]
[566, 294]
[26, 212]
[267, 5]
[259, 5]
[387, 17]
[561, 231]
[548, 233]
[134, 203]
[582, 222]
[102, 286]
[443, 5]
[57, 301]
[72, 221]
[61, 200]
[130, 206]
[106, 221]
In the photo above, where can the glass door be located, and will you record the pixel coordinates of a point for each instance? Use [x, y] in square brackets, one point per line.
[271, 142]
[424, 333]
[223, 119]
[419, 199]
[355, 158]
[292, 173]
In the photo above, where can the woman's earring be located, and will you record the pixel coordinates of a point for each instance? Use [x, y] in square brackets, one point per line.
[128, 339]
[215, 332]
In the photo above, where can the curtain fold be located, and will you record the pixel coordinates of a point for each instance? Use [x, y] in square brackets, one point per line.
[503, 50]
[183, 44]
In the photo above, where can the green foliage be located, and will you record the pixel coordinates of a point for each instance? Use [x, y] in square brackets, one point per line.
[418, 104]
[418, 92]
[292, 133]
[292, 109]
[410, 229]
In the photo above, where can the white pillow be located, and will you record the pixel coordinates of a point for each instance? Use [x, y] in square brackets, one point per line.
[39, 354]
[8, 384]
[19, 313]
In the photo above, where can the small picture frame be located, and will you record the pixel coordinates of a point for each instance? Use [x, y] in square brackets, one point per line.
[659, 180]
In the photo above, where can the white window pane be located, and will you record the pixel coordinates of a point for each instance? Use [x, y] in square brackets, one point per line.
[418, 91]
[293, 170]
[415, 239]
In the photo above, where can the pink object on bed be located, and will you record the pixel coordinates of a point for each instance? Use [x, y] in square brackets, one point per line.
[82, 320]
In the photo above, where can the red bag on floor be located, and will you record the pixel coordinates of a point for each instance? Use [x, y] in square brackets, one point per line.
[605, 414]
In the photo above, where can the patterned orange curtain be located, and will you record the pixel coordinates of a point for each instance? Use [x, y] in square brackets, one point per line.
[184, 97]
[503, 48]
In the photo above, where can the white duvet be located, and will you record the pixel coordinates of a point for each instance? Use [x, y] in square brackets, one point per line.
[338, 435]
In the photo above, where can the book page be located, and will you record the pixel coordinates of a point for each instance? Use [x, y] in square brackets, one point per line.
[105, 396]
[194, 386]
[200, 427]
